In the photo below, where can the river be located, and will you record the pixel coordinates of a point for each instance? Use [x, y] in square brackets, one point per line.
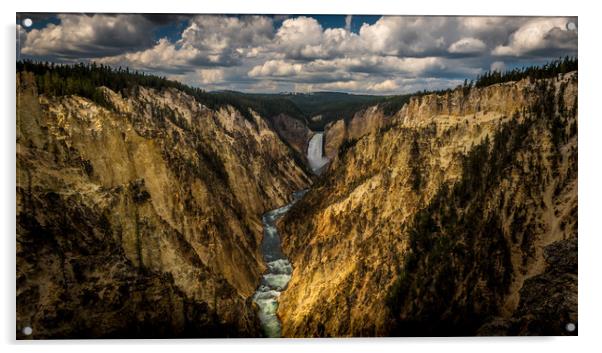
[279, 271]
[278, 274]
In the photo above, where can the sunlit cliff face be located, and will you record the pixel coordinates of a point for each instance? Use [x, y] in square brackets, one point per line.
[445, 219]
[144, 219]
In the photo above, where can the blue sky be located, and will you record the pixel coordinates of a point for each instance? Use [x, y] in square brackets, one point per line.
[274, 53]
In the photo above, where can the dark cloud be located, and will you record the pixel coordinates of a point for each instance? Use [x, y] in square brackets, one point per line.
[85, 36]
[163, 19]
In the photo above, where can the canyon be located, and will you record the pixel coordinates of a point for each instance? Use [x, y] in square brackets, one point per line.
[446, 218]
[146, 213]
[144, 219]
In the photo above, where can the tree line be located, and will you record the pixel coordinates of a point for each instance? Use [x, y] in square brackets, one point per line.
[551, 69]
[85, 79]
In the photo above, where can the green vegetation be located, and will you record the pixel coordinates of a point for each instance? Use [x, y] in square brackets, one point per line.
[331, 106]
[455, 244]
[552, 69]
[415, 175]
[458, 265]
[393, 104]
[85, 79]
[346, 145]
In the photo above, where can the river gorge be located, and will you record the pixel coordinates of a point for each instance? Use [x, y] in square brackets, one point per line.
[279, 271]
[275, 280]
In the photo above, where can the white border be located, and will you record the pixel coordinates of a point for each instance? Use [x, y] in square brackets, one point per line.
[376, 7]
[590, 155]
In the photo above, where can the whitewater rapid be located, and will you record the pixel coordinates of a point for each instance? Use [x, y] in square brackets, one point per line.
[278, 273]
[315, 153]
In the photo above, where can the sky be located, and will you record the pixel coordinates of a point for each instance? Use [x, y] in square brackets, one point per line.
[300, 53]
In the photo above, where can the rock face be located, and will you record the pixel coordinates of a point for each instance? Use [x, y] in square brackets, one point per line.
[362, 123]
[292, 131]
[451, 219]
[144, 219]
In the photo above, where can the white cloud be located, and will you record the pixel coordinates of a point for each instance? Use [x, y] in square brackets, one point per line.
[393, 54]
[339, 68]
[385, 86]
[210, 76]
[538, 34]
[162, 54]
[297, 36]
[481, 24]
[277, 68]
[220, 34]
[206, 41]
[467, 46]
[406, 36]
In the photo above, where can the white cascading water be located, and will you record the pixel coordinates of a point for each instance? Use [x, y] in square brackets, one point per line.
[315, 153]
[279, 271]
[278, 274]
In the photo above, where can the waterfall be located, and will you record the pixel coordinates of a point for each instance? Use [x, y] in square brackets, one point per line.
[315, 153]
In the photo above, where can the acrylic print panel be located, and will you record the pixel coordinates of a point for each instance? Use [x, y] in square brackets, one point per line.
[295, 176]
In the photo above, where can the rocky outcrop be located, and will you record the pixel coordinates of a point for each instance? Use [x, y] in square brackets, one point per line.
[438, 223]
[292, 131]
[334, 135]
[548, 301]
[141, 217]
[365, 121]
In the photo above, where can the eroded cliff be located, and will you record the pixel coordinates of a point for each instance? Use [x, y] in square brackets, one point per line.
[447, 220]
[141, 217]
[363, 122]
[292, 131]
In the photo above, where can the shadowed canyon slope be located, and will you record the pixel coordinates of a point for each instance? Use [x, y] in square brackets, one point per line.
[142, 217]
[455, 216]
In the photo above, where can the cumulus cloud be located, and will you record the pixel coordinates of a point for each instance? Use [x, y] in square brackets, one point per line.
[385, 86]
[539, 35]
[346, 68]
[304, 38]
[467, 46]
[277, 68]
[211, 76]
[298, 37]
[227, 34]
[89, 36]
[392, 54]
[206, 41]
[406, 36]
[161, 55]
